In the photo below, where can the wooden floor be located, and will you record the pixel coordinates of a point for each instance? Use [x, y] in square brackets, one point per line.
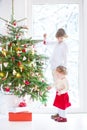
[44, 122]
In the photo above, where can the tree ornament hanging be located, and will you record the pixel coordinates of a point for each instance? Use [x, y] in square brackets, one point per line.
[5, 64]
[2, 74]
[18, 75]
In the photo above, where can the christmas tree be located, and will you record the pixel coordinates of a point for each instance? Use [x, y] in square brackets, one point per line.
[21, 66]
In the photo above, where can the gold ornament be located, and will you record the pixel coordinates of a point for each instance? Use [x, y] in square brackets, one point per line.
[21, 67]
[18, 75]
[2, 74]
[4, 52]
[18, 49]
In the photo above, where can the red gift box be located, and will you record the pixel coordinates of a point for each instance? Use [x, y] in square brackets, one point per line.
[20, 116]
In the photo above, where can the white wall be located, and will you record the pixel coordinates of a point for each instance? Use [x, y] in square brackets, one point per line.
[22, 9]
[6, 9]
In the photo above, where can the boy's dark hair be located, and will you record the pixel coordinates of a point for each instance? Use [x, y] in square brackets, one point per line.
[61, 33]
[62, 69]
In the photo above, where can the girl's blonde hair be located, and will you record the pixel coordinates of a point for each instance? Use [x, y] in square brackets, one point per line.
[62, 69]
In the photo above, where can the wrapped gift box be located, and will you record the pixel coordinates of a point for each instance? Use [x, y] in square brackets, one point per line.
[20, 116]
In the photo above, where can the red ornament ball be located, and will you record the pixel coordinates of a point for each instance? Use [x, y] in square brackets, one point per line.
[22, 104]
[14, 23]
[7, 89]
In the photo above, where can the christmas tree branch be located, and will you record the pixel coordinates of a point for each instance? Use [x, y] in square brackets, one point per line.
[21, 20]
[12, 17]
[4, 19]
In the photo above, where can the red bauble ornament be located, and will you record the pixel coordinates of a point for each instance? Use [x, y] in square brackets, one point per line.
[17, 36]
[10, 44]
[14, 23]
[23, 50]
[22, 104]
[19, 63]
[7, 89]
[18, 55]
[27, 82]
[13, 58]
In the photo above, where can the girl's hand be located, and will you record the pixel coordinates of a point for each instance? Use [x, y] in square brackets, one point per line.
[59, 92]
[49, 87]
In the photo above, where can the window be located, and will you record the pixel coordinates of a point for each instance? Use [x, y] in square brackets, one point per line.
[47, 19]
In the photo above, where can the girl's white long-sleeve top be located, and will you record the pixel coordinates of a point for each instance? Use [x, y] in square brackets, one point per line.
[62, 85]
[59, 56]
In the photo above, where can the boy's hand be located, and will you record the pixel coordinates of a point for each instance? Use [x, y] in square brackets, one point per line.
[45, 35]
[44, 40]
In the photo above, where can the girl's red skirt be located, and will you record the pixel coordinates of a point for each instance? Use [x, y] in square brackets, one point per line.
[62, 101]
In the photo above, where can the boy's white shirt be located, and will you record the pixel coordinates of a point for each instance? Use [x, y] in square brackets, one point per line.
[59, 56]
